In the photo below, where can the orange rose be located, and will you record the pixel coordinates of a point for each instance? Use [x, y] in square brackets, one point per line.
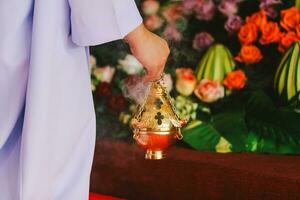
[186, 81]
[258, 18]
[270, 33]
[298, 30]
[290, 18]
[249, 54]
[248, 33]
[172, 13]
[286, 40]
[235, 80]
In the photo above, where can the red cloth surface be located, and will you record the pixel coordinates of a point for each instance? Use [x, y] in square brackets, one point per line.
[94, 196]
[120, 170]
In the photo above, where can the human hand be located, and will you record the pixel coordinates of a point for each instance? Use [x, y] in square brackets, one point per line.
[151, 50]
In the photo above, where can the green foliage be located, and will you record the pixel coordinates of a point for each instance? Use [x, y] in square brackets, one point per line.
[206, 135]
[297, 4]
[287, 79]
[201, 136]
[277, 130]
[259, 127]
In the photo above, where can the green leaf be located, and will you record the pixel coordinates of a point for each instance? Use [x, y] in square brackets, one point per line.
[252, 142]
[232, 127]
[181, 24]
[277, 129]
[201, 136]
[294, 103]
[257, 143]
[297, 4]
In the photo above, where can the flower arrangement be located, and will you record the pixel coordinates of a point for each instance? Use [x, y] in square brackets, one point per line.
[283, 33]
[221, 73]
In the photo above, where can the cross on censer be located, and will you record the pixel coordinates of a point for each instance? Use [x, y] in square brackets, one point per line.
[159, 117]
[158, 103]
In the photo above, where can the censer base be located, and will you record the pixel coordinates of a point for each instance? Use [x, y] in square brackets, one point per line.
[155, 155]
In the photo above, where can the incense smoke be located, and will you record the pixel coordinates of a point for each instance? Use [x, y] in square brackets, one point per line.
[135, 88]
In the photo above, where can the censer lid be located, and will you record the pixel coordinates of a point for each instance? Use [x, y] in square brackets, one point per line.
[157, 112]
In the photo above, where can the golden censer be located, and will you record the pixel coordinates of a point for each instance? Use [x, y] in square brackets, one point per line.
[155, 124]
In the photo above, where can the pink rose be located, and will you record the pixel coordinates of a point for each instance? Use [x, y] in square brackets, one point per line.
[185, 81]
[167, 82]
[153, 22]
[209, 91]
[233, 24]
[104, 74]
[150, 7]
[205, 10]
[188, 6]
[202, 41]
[171, 33]
[228, 7]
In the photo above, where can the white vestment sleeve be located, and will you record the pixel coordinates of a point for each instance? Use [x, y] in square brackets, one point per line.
[95, 22]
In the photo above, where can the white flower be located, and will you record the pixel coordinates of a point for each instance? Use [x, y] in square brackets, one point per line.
[93, 60]
[130, 65]
[150, 7]
[167, 82]
[104, 74]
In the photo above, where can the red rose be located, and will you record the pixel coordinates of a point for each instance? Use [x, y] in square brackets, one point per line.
[116, 103]
[287, 39]
[248, 33]
[103, 90]
[270, 33]
[235, 80]
[290, 18]
[258, 18]
[249, 54]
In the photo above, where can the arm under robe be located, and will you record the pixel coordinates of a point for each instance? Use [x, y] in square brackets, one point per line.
[99, 21]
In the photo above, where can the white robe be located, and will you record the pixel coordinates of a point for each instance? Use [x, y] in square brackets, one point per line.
[47, 119]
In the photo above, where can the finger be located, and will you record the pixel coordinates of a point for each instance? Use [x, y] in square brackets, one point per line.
[150, 77]
[153, 75]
